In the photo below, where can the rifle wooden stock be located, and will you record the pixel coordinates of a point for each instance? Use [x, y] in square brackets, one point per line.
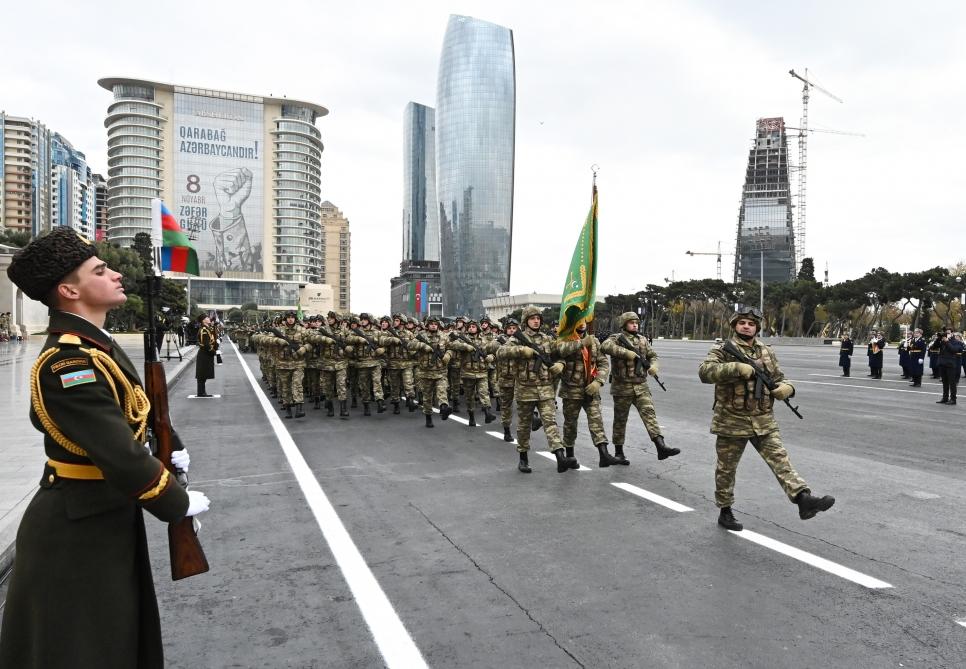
[187, 555]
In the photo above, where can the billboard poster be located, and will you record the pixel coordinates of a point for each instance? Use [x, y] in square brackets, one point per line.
[219, 181]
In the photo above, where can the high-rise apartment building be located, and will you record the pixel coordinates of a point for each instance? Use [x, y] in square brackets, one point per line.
[72, 191]
[766, 237]
[100, 207]
[420, 208]
[241, 173]
[475, 127]
[336, 245]
[25, 164]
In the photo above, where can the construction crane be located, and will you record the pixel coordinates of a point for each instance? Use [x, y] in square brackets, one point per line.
[719, 254]
[803, 158]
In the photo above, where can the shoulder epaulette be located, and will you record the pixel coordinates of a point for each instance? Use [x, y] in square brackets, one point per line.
[69, 339]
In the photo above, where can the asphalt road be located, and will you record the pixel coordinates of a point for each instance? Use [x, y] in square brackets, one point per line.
[452, 556]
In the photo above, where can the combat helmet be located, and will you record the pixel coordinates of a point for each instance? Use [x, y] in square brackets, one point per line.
[365, 316]
[290, 314]
[431, 318]
[529, 312]
[355, 319]
[626, 318]
[743, 311]
[510, 321]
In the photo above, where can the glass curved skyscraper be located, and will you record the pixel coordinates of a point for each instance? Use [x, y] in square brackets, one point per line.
[475, 127]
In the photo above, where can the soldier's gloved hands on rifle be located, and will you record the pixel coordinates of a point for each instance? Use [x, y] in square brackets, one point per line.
[489, 359]
[627, 354]
[446, 356]
[592, 388]
[556, 369]
[526, 352]
[783, 391]
[198, 502]
[739, 370]
[181, 459]
[380, 351]
[653, 369]
[348, 349]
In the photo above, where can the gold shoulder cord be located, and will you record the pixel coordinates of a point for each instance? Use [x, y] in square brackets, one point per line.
[135, 407]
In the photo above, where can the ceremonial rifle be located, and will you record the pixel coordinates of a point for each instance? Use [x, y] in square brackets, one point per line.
[762, 377]
[187, 555]
[641, 364]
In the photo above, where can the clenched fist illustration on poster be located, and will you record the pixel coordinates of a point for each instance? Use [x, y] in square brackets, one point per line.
[233, 250]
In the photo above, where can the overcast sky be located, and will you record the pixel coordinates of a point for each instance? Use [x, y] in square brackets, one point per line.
[662, 95]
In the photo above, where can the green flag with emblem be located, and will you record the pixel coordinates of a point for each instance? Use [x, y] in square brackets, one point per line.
[580, 290]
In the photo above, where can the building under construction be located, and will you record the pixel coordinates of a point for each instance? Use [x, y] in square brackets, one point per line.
[765, 231]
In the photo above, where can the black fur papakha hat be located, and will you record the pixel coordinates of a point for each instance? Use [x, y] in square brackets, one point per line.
[39, 266]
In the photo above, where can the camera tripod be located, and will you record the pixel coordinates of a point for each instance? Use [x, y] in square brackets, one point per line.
[169, 339]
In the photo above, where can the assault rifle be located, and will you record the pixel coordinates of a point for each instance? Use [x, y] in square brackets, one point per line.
[292, 346]
[437, 356]
[542, 358]
[359, 333]
[339, 341]
[641, 364]
[187, 555]
[762, 378]
[477, 354]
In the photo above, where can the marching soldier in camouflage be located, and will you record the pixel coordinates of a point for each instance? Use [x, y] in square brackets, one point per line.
[584, 372]
[313, 362]
[334, 352]
[474, 362]
[455, 367]
[739, 418]
[433, 360]
[399, 363]
[506, 376]
[290, 364]
[488, 333]
[412, 329]
[629, 387]
[535, 385]
[367, 354]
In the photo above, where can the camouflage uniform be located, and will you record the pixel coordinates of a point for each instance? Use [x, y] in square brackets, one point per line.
[368, 361]
[628, 387]
[433, 362]
[399, 364]
[455, 370]
[313, 366]
[333, 356]
[290, 364]
[740, 418]
[585, 365]
[474, 362]
[535, 383]
[506, 377]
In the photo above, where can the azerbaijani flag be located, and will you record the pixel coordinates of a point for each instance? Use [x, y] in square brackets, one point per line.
[580, 288]
[173, 249]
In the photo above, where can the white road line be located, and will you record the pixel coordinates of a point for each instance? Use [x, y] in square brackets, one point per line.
[855, 385]
[814, 560]
[961, 622]
[464, 421]
[499, 435]
[396, 645]
[551, 456]
[652, 497]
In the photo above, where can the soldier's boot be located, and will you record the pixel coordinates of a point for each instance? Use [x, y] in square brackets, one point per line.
[535, 421]
[343, 409]
[619, 455]
[563, 462]
[498, 406]
[395, 406]
[809, 506]
[944, 400]
[570, 455]
[456, 404]
[506, 433]
[354, 402]
[472, 416]
[288, 410]
[274, 391]
[488, 416]
[524, 464]
[380, 406]
[365, 409]
[299, 410]
[429, 420]
[727, 520]
[444, 411]
[663, 452]
[606, 459]
[329, 408]
[318, 403]
[410, 404]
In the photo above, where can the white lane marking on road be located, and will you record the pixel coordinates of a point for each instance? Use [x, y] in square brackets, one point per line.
[961, 622]
[855, 385]
[397, 647]
[652, 497]
[551, 456]
[499, 435]
[814, 560]
[464, 421]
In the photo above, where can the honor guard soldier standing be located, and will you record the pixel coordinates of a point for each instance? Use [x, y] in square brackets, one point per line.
[584, 372]
[950, 359]
[917, 357]
[205, 360]
[531, 350]
[291, 349]
[81, 592]
[506, 376]
[874, 351]
[626, 347]
[433, 360]
[739, 418]
[934, 347]
[474, 374]
[845, 354]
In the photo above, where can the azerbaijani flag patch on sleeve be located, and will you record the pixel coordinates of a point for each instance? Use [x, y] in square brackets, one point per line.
[72, 379]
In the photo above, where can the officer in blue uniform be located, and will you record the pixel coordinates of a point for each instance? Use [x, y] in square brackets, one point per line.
[845, 354]
[917, 357]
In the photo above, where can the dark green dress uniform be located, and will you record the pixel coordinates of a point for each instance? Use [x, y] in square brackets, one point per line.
[81, 593]
[205, 360]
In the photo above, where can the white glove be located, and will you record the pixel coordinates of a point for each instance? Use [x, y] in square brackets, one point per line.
[198, 502]
[180, 459]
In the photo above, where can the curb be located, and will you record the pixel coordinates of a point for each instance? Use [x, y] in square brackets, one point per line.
[8, 552]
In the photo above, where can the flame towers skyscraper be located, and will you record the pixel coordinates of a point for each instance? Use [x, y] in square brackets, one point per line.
[475, 134]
